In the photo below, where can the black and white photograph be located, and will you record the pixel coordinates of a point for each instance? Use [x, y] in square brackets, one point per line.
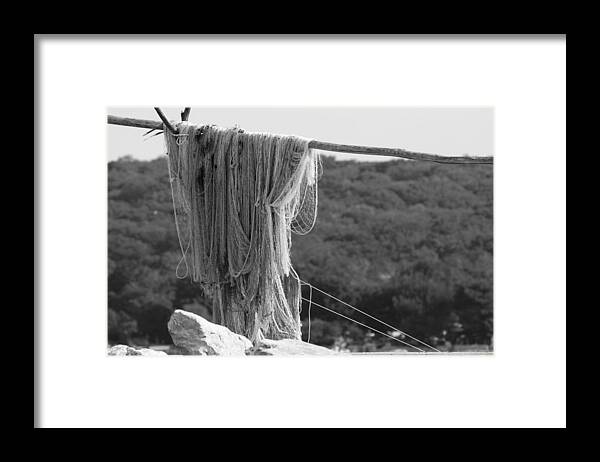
[226, 240]
[299, 231]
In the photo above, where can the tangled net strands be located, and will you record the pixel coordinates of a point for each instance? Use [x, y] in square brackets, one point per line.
[237, 197]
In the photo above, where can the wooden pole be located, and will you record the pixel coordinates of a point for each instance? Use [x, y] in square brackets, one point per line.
[402, 153]
[165, 120]
[332, 147]
[139, 123]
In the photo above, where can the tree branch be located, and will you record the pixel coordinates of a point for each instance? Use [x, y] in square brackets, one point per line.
[165, 120]
[325, 146]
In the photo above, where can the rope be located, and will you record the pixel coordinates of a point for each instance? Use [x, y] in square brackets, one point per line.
[364, 325]
[309, 305]
[172, 178]
[372, 317]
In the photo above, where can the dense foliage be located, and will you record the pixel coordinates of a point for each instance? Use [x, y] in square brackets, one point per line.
[408, 242]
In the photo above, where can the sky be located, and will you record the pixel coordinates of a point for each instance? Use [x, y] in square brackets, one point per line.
[434, 130]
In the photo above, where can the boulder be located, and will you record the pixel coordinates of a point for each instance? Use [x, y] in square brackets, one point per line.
[126, 350]
[176, 351]
[287, 347]
[194, 335]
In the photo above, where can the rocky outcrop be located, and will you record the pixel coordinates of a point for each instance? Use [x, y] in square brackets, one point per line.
[126, 350]
[287, 347]
[194, 335]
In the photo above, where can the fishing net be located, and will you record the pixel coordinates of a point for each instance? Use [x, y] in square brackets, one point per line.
[237, 197]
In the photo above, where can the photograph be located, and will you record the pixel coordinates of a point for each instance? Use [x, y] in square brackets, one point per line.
[299, 231]
[226, 237]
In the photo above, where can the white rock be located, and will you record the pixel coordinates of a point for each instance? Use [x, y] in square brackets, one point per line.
[287, 347]
[197, 336]
[126, 350]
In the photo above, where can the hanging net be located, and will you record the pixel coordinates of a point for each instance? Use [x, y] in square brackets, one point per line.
[237, 197]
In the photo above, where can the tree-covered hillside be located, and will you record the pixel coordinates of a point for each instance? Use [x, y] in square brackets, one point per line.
[408, 242]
